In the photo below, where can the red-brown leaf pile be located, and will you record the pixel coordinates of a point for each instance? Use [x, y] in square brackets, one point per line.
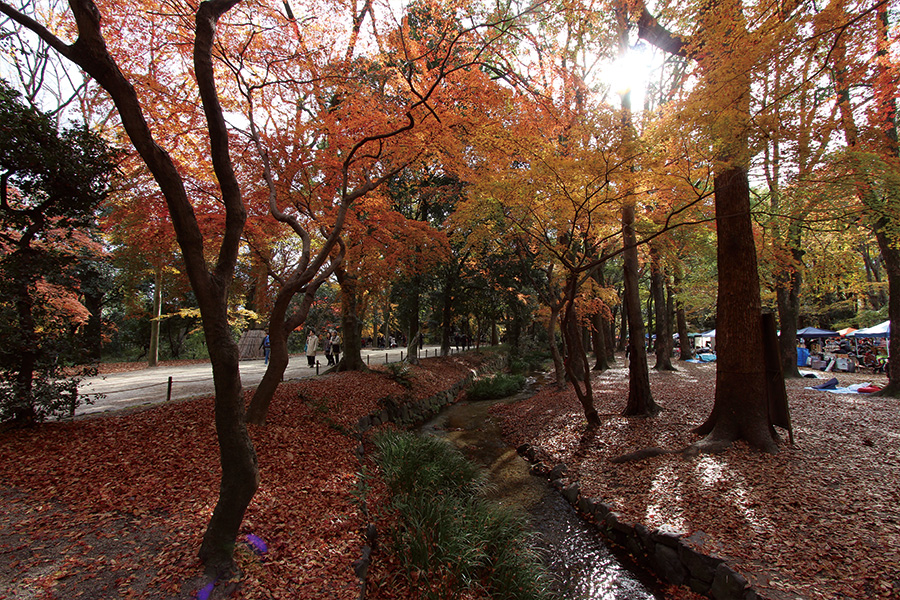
[819, 520]
[116, 506]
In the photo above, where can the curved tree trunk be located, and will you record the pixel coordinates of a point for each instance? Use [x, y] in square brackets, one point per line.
[576, 362]
[240, 470]
[278, 361]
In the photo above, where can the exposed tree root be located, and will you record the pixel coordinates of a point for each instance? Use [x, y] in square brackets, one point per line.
[687, 452]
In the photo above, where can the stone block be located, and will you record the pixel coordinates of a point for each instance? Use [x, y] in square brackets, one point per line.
[570, 493]
[696, 585]
[586, 505]
[668, 565]
[699, 565]
[601, 510]
[666, 537]
[727, 584]
[559, 471]
[643, 535]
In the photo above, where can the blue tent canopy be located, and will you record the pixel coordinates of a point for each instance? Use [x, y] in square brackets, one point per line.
[813, 333]
[880, 330]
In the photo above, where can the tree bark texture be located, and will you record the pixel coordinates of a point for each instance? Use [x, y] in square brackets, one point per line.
[640, 399]
[351, 324]
[153, 353]
[741, 408]
[663, 339]
[787, 295]
[576, 361]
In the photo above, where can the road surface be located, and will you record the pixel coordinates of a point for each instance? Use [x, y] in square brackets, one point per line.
[151, 385]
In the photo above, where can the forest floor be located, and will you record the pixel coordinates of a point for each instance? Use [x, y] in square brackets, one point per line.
[818, 520]
[116, 505]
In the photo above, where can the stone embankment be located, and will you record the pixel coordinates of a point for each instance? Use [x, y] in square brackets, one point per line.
[670, 555]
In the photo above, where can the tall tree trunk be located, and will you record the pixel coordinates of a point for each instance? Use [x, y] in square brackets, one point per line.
[891, 255]
[387, 323]
[684, 341]
[875, 297]
[413, 332]
[663, 339]
[599, 342]
[788, 299]
[153, 353]
[640, 399]
[740, 410]
[604, 354]
[93, 330]
[447, 318]
[576, 362]
[885, 102]
[351, 324]
[558, 367]
[24, 411]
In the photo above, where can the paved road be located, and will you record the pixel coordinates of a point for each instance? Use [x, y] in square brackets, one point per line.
[151, 385]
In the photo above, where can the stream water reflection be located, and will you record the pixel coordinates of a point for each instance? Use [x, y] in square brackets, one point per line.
[583, 566]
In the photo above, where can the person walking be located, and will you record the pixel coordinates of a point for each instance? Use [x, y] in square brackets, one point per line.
[326, 345]
[336, 346]
[266, 346]
[312, 344]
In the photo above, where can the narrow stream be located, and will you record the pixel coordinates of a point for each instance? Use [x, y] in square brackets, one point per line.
[584, 568]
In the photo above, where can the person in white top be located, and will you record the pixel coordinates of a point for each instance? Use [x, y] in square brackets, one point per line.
[312, 343]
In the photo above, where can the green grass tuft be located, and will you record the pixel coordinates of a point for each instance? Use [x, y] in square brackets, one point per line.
[449, 538]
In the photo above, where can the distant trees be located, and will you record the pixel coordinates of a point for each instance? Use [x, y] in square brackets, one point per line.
[51, 183]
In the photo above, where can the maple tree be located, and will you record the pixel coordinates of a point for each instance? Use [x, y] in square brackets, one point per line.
[51, 182]
[369, 119]
[90, 52]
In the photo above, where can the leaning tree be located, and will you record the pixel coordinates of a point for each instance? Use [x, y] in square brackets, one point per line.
[211, 281]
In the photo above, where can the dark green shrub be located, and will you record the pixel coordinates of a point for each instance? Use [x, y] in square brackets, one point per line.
[496, 386]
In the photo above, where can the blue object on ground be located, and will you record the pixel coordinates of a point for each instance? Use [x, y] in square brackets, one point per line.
[828, 385]
[802, 356]
[257, 544]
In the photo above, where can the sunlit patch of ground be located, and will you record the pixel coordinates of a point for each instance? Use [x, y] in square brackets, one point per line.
[819, 520]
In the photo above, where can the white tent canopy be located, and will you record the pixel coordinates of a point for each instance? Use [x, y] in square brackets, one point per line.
[881, 330]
